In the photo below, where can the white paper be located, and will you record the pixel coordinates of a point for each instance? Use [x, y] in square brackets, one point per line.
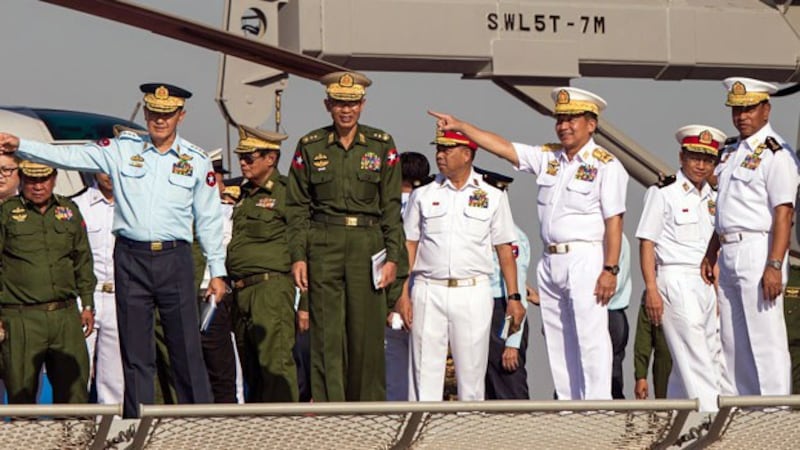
[506, 327]
[207, 313]
[378, 261]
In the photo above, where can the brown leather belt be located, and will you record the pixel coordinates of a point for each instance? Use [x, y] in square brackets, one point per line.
[348, 221]
[48, 306]
[255, 279]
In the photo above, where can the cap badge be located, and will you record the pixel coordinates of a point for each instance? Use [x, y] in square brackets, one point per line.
[738, 88]
[705, 137]
[563, 97]
[162, 93]
[346, 80]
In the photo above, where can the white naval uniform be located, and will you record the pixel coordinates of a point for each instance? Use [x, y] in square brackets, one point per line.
[104, 351]
[753, 180]
[574, 199]
[679, 219]
[456, 231]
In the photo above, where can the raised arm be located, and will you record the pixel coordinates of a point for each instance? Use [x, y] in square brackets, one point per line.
[487, 140]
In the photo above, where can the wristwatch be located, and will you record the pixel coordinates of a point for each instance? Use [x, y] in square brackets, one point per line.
[775, 264]
[89, 308]
[613, 269]
[516, 297]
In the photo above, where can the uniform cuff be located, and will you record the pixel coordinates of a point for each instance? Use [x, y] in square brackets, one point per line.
[217, 269]
[297, 255]
[87, 300]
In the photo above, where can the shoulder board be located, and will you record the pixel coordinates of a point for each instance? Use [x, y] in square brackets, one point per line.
[423, 182]
[195, 149]
[314, 136]
[551, 147]
[378, 135]
[497, 180]
[730, 141]
[67, 201]
[79, 193]
[602, 155]
[129, 135]
[773, 144]
[665, 181]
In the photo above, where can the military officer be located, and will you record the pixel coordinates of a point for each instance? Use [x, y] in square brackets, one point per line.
[674, 230]
[96, 204]
[757, 189]
[164, 187]
[259, 267]
[581, 201]
[452, 225]
[47, 263]
[344, 207]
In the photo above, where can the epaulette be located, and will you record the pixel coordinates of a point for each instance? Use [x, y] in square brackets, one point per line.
[378, 135]
[425, 181]
[235, 192]
[730, 141]
[665, 181]
[63, 200]
[497, 180]
[79, 193]
[129, 135]
[314, 136]
[128, 132]
[602, 155]
[195, 149]
[551, 147]
[772, 144]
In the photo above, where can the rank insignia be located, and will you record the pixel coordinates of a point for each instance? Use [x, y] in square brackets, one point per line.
[211, 179]
[391, 156]
[712, 207]
[586, 173]
[266, 203]
[19, 214]
[63, 213]
[751, 161]
[552, 167]
[297, 161]
[321, 161]
[137, 161]
[759, 150]
[371, 161]
[479, 199]
[686, 186]
[183, 168]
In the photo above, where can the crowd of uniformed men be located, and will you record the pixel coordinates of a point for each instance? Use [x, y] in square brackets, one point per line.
[357, 275]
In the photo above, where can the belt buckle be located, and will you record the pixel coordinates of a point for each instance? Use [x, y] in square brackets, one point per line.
[551, 249]
[351, 221]
[156, 246]
[52, 306]
[452, 282]
[108, 288]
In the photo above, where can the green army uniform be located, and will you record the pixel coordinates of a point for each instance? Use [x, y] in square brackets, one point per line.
[46, 264]
[259, 266]
[650, 341]
[344, 206]
[791, 312]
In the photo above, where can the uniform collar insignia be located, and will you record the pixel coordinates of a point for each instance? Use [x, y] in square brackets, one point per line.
[361, 138]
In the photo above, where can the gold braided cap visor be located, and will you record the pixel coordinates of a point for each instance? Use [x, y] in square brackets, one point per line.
[700, 148]
[35, 170]
[576, 107]
[746, 99]
[251, 144]
[163, 105]
[348, 93]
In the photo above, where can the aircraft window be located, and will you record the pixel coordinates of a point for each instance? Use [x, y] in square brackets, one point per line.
[73, 125]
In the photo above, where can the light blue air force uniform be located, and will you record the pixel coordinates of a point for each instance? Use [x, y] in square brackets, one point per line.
[159, 196]
[523, 259]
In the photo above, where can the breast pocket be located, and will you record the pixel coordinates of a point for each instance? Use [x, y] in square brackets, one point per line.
[367, 186]
[322, 185]
[131, 179]
[65, 230]
[579, 195]
[687, 226]
[743, 174]
[477, 221]
[180, 188]
[433, 217]
[261, 224]
[546, 187]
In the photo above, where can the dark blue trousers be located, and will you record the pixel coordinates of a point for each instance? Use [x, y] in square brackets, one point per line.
[164, 279]
[500, 383]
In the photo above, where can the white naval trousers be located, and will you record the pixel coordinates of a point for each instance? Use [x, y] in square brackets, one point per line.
[462, 315]
[105, 358]
[690, 329]
[753, 331]
[575, 325]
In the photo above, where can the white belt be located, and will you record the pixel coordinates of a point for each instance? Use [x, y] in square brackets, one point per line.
[456, 282]
[729, 238]
[679, 268]
[566, 247]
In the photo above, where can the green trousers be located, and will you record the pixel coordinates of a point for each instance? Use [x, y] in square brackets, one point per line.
[54, 338]
[347, 314]
[265, 335]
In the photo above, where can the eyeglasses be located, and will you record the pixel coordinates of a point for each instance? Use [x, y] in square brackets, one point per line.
[248, 158]
[8, 171]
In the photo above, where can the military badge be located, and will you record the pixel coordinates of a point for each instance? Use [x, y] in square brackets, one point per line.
[759, 150]
[186, 157]
[751, 161]
[63, 213]
[297, 161]
[552, 167]
[712, 207]
[19, 214]
[371, 161]
[104, 142]
[321, 161]
[686, 187]
[211, 179]
[137, 161]
[266, 203]
[183, 168]
[563, 97]
[479, 199]
[391, 156]
[515, 250]
[586, 173]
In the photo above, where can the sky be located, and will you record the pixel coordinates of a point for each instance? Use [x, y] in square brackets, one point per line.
[57, 58]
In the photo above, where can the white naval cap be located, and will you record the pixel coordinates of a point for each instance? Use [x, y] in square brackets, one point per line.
[747, 91]
[700, 139]
[570, 100]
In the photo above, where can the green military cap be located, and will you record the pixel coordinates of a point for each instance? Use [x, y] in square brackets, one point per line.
[35, 170]
[347, 86]
[254, 139]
